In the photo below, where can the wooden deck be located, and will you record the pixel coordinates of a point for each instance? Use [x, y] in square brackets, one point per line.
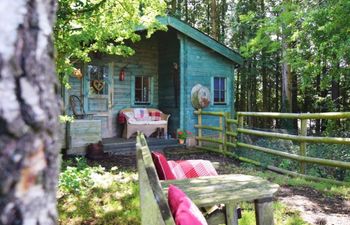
[121, 146]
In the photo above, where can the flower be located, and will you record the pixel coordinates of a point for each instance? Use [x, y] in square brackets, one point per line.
[183, 134]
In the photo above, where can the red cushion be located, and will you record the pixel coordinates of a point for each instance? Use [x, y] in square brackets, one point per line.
[183, 209]
[155, 115]
[161, 164]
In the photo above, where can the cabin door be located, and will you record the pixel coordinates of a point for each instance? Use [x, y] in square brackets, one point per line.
[98, 95]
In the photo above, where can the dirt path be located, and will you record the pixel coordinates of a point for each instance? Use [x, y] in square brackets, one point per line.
[314, 206]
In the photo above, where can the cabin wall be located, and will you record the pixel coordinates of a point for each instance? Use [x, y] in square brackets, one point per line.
[200, 66]
[168, 55]
[144, 62]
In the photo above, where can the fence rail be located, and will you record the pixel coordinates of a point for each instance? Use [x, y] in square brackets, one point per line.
[230, 130]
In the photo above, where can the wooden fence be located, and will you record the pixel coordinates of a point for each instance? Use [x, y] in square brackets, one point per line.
[229, 131]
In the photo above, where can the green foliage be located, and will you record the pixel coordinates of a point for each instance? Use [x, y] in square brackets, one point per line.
[92, 195]
[66, 119]
[76, 179]
[328, 189]
[85, 27]
[268, 159]
[282, 215]
[336, 152]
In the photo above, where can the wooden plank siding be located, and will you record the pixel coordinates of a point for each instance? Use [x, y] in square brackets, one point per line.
[168, 54]
[143, 62]
[199, 58]
[200, 65]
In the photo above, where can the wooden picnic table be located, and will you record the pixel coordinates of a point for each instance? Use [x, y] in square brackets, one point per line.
[230, 190]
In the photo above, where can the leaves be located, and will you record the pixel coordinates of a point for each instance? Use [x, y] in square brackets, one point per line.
[89, 26]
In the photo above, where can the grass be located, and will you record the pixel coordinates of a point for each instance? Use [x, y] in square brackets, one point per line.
[326, 188]
[282, 215]
[93, 195]
[109, 197]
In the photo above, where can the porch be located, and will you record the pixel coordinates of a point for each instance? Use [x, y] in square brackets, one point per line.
[122, 146]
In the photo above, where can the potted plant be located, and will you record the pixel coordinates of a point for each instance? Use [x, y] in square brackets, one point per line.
[182, 135]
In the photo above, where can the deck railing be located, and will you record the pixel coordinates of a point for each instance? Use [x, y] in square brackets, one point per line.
[230, 130]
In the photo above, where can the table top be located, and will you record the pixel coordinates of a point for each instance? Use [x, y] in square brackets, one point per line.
[206, 191]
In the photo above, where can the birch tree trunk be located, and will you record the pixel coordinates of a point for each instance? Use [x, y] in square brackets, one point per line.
[29, 109]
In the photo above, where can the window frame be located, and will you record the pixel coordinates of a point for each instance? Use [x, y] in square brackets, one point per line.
[107, 82]
[224, 90]
[149, 91]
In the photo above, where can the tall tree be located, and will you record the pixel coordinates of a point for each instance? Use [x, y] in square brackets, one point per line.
[29, 110]
[214, 20]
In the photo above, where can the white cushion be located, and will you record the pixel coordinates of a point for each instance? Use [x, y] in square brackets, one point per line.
[159, 122]
[133, 121]
[129, 115]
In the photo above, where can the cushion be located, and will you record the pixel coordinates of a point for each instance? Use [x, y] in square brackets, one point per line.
[128, 115]
[121, 118]
[184, 211]
[162, 167]
[159, 122]
[155, 115]
[141, 114]
[192, 168]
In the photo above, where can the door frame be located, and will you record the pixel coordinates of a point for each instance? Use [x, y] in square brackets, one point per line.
[108, 113]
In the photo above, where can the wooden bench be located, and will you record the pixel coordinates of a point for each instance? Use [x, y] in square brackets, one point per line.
[203, 191]
[147, 127]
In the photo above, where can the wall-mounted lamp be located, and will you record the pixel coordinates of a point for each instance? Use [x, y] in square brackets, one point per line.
[122, 74]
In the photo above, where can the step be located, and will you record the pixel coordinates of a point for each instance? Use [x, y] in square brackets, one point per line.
[132, 150]
[159, 142]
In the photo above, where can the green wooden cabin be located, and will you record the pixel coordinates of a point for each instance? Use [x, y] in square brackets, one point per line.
[159, 75]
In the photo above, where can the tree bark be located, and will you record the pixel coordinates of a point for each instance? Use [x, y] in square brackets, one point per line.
[222, 23]
[186, 11]
[214, 22]
[29, 110]
[173, 7]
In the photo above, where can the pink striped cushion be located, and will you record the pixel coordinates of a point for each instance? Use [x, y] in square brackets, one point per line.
[183, 209]
[192, 168]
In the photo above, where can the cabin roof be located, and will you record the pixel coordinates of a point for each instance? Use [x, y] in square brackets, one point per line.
[202, 38]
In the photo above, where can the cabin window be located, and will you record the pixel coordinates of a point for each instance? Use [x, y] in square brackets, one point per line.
[142, 90]
[219, 90]
[98, 80]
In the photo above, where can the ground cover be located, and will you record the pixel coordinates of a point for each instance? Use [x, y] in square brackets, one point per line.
[92, 194]
[106, 192]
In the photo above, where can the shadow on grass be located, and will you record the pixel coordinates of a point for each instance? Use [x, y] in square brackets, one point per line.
[116, 204]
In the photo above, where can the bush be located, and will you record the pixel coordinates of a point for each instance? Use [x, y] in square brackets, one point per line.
[268, 159]
[77, 179]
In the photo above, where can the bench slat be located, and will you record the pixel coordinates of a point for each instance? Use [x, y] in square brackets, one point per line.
[154, 207]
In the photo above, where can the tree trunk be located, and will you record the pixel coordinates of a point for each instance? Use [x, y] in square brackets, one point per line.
[238, 91]
[295, 108]
[173, 7]
[222, 21]
[318, 91]
[335, 93]
[29, 110]
[213, 18]
[186, 11]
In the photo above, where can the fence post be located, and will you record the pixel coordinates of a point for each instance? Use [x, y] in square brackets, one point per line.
[303, 132]
[200, 129]
[221, 136]
[224, 130]
[228, 129]
[240, 124]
